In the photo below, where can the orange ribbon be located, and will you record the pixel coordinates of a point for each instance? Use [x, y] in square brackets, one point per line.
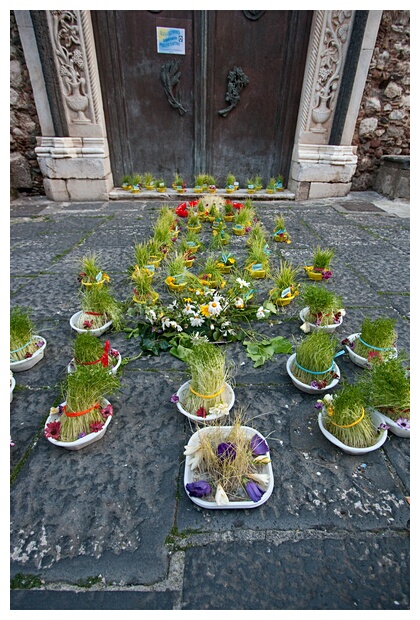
[75, 414]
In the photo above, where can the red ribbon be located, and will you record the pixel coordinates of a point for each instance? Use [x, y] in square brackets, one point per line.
[103, 359]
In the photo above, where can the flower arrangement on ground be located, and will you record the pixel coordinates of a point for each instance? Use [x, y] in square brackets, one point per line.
[258, 259]
[226, 262]
[228, 211]
[89, 351]
[84, 411]
[193, 222]
[143, 258]
[176, 272]
[206, 393]
[162, 230]
[210, 275]
[219, 238]
[24, 343]
[143, 292]
[377, 340]
[228, 466]
[314, 361]
[271, 186]
[229, 183]
[387, 389]
[244, 217]
[321, 308]
[98, 308]
[149, 180]
[346, 416]
[285, 284]
[92, 275]
[190, 242]
[280, 233]
[321, 260]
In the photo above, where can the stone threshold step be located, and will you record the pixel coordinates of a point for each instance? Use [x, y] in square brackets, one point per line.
[120, 194]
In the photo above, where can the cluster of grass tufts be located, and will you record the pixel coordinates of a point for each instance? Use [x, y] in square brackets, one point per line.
[348, 419]
[379, 333]
[321, 259]
[322, 303]
[21, 334]
[316, 354]
[387, 388]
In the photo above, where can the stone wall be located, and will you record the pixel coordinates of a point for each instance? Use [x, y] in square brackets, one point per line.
[25, 175]
[383, 125]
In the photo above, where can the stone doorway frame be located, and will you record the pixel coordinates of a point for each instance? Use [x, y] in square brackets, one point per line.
[73, 153]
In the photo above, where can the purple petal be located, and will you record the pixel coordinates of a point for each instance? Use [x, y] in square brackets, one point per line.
[198, 489]
[318, 405]
[258, 445]
[226, 451]
[174, 398]
[254, 491]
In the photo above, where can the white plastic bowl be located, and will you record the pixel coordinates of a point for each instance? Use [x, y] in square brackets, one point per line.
[393, 427]
[363, 362]
[189, 474]
[307, 388]
[228, 396]
[328, 329]
[84, 441]
[95, 332]
[12, 387]
[29, 362]
[376, 419]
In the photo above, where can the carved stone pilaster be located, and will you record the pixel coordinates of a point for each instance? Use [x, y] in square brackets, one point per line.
[73, 44]
[328, 46]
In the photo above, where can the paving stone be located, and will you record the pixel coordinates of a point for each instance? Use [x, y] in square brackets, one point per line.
[41, 599]
[362, 573]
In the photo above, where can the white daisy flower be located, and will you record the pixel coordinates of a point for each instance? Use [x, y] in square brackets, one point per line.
[260, 313]
[196, 321]
[242, 283]
[189, 309]
[166, 322]
[239, 302]
[214, 308]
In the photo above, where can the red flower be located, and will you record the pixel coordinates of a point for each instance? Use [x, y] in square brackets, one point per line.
[201, 412]
[28, 355]
[107, 411]
[237, 205]
[181, 210]
[87, 324]
[95, 427]
[52, 430]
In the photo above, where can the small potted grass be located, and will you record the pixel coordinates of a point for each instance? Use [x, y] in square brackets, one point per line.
[250, 184]
[136, 182]
[126, 182]
[143, 292]
[312, 368]
[199, 183]
[193, 222]
[190, 243]
[156, 253]
[142, 257]
[322, 309]
[258, 233]
[257, 262]
[213, 212]
[285, 284]
[207, 395]
[89, 351]
[346, 421]
[258, 182]
[26, 347]
[149, 181]
[219, 238]
[210, 182]
[99, 311]
[280, 233]
[210, 276]
[92, 275]
[321, 260]
[387, 389]
[226, 263]
[228, 211]
[279, 183]
[243, 219]
[229, 183]
[85, 414]
[176, 272]
[377, 340]
[271, 186]
[161, 185]
[228, 467]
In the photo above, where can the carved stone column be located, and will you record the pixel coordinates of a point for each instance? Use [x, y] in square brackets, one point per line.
[319, 169]
[76, 167]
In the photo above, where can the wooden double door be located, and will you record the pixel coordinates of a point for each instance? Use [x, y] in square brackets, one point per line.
[201, 91]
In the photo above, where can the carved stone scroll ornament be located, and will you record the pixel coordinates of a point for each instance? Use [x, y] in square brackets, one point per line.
[237, 80]
[330, 68]
[170, 76]
[68, 49]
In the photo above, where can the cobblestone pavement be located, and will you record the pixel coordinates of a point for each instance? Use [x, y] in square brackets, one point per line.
[111, 527]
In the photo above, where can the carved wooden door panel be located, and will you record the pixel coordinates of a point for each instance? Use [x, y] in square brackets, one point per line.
[228, 103]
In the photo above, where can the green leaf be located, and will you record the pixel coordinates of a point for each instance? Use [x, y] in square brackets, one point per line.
[281, 345]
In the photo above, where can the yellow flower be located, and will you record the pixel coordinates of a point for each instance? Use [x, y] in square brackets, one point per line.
[205, 310]
[330, 411]
[106, 277]
[187, 299]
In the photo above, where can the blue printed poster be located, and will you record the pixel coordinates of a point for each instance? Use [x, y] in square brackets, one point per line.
[170, 40]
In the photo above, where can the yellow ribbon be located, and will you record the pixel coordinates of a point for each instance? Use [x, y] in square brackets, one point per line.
[352, 424]
[211, 396]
